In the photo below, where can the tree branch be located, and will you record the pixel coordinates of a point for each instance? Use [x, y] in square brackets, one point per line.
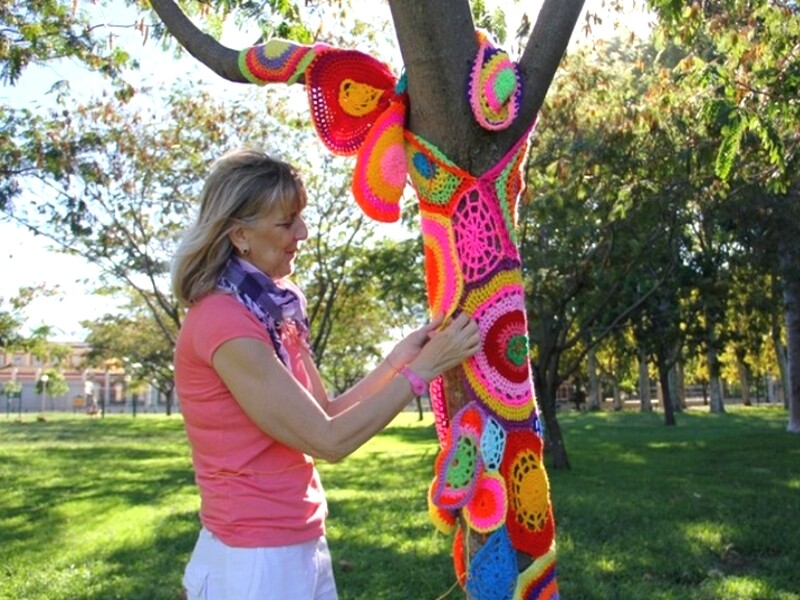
[437, 42]
[543, 52]
[221, 60]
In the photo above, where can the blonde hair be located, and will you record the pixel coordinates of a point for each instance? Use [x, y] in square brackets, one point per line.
[242, 186]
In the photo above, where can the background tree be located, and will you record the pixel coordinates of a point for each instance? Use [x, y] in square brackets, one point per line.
[112, 189]
[743, 59]
[135, 339]
[595, 211]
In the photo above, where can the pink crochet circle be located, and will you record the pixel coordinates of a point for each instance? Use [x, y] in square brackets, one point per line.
[486, 510]
[502, 385]
[477, 238]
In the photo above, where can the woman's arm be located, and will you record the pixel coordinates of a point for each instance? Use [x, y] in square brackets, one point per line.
[284, 410]
[401, 355]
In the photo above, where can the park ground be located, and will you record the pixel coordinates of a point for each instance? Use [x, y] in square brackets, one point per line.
[97, 509]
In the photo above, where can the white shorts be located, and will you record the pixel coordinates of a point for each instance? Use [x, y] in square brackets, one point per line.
[219, 572]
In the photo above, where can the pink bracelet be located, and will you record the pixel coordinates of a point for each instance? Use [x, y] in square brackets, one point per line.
[418, 385]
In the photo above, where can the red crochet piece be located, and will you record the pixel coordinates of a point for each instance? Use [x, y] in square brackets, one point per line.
[347, 91]
[529, 519]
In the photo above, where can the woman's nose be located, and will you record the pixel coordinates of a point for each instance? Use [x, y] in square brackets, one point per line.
[301, 231]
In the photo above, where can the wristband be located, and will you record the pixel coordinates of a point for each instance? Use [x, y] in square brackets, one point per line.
[418, 385]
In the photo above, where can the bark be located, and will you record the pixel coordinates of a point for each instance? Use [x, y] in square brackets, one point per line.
[221, 60]
[437, 42]
[617, 405]
[791, 295]
[744, 381]
[715, 383]
[555, 449]
[645, 399]
[595, 393]
[546, 383]
[663, 377]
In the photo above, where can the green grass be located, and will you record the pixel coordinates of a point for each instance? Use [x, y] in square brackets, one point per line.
[106, 508]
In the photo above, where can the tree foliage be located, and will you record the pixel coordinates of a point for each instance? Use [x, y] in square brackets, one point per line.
[742, 61]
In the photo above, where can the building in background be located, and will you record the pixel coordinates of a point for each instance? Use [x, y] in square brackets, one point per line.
[90, 389]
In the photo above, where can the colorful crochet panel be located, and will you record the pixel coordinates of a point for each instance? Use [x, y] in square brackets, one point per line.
[490, 488]
[489, 475]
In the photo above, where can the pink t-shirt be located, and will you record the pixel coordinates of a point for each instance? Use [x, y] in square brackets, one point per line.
[254, 491]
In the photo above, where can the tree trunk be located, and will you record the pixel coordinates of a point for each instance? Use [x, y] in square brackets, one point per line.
[681, 374]
[546, 384]
[555, 449]
[744, 381]
[791, 296]
[645, 398]
[595, 392]
[789, 261]
[617, 405]
[664, 380]
[672, 393]
[715, 383]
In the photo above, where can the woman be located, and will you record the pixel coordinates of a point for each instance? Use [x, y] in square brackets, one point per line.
[254, 405]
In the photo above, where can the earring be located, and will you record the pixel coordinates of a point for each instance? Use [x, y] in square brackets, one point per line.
[245, 251]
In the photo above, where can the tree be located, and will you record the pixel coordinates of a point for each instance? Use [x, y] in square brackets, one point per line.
[135, 340]
[51, 383]
[437, 41]
[602, 207]
[10, 323]
[742, 60]
[50, 30]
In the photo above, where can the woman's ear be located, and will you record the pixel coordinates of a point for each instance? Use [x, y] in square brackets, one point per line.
[238, 238]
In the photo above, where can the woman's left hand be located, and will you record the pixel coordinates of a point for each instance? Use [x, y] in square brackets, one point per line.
[407, 349]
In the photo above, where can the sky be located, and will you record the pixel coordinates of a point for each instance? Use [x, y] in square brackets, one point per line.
[25, 259]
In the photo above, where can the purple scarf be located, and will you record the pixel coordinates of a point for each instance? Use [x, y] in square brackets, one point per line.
[282, 309]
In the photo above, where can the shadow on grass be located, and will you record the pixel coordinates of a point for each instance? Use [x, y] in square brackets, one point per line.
[705, 510]
[694, 511]
[151, 570]
[60, 471]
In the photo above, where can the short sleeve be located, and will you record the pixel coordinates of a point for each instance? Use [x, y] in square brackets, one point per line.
[219, 319]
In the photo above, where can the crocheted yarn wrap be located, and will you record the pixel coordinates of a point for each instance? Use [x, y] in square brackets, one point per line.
[347, 92]
[439, 183]
[538, 581]
[492, 574]
[458, 465]
[443, 275]
[486, 509]
[439, 408]
[277, 61]
[499, 373]
[459, 558]
[380, 173]
[494, 90]
[493, 444]
[444, 520]
[530, 515]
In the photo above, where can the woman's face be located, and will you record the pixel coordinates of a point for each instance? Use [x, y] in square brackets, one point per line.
[273, 240]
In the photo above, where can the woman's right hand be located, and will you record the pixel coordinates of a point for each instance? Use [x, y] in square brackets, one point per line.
[448, 347]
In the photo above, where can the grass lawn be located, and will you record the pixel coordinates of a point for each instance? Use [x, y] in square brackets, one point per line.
[106, 508]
